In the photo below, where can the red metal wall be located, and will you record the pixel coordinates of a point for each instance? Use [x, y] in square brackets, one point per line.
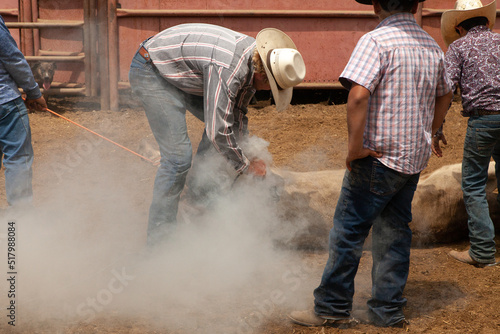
[63, 39]
[11, 6]
[325, 42]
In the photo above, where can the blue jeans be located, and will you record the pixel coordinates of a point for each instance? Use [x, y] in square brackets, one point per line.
[15, 143]
[482, 142]
[165, 106]
[375, 196]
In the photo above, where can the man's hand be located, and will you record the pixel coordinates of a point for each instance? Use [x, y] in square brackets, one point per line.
[37, 104]
[443, 103]
[436, 149]
[257, 167]
[357, 110]
[351, 156]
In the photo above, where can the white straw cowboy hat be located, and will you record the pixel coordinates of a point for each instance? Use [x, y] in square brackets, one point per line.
[464, 10]
[283, 64]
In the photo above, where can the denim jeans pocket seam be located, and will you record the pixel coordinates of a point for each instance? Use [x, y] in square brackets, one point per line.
[375, 180]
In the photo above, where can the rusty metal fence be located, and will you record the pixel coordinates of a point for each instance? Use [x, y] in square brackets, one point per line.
[104, 34]
[99, 45]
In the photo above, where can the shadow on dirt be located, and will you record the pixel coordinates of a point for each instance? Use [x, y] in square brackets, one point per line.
[439, 295]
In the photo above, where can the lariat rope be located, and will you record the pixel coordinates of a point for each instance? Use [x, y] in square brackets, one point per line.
[155, 163]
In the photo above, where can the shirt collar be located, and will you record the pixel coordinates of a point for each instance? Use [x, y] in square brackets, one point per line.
[397, 18]
[478, 29]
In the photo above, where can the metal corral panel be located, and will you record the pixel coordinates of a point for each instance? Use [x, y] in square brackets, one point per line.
[49, 41]
[63, 40]
[9, 11]
[325, 31]
[324, 40]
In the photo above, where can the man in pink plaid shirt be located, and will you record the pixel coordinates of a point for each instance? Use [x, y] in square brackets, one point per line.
[399, 95]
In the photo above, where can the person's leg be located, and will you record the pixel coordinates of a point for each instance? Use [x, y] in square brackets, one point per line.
[166, 112]
[496, 158]
[207, 176]
[15, 141]
[391, 242]
[482, 136]
[356, 209]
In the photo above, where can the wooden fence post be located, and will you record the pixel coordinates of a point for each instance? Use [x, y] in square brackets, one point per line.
[103, 54]
[113, 60]
[26, 35]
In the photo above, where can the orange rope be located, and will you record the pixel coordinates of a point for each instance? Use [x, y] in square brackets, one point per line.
[155, 163]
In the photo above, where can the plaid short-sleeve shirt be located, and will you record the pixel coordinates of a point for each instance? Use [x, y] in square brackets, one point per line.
[403, 68]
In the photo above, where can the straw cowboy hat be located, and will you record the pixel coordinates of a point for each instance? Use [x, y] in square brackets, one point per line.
[464, 10]
[283, 64]
[369, 2]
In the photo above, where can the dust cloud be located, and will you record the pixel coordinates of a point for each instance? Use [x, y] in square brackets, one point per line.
[81, 257]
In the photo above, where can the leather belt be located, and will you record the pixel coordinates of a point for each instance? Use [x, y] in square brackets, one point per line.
[480, 112]
[144, 53]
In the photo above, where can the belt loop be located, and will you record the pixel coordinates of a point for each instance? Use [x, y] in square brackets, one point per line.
[144, 53]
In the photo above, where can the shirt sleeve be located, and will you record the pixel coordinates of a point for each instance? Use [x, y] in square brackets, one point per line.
[16, 65]
[219, 104]
[242, 122]
[453, 65]
[444, 83]
[364, 66]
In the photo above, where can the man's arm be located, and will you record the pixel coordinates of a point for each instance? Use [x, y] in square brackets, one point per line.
[441, 108]
[16, 65]
[451, 74]
[357, 110]
[219, 117]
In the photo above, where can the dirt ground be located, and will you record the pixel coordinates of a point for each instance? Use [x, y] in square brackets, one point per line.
[443, 296]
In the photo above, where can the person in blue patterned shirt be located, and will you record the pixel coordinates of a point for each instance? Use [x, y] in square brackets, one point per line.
[472, 62]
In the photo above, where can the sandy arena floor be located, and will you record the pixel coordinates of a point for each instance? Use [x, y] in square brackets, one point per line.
[81, 269]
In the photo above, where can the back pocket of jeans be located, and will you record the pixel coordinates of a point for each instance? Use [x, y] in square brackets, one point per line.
[486, 138]
[384, 181]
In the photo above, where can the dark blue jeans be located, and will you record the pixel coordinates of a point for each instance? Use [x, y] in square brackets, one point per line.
[482, 142]
[15, 143]
[375, 196]
[165, 107]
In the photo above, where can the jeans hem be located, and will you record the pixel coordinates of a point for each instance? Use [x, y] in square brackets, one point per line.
[480, 261]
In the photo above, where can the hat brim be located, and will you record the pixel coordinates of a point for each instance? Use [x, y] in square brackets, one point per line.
[369, 2]
[267, 40]
[452, 18]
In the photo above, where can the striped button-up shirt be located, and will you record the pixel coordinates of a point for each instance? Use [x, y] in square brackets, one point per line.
[216, 63]
[403, 68]
[473, 63]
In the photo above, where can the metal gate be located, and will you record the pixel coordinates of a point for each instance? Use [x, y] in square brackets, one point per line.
[80, 36]
[93, 41]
